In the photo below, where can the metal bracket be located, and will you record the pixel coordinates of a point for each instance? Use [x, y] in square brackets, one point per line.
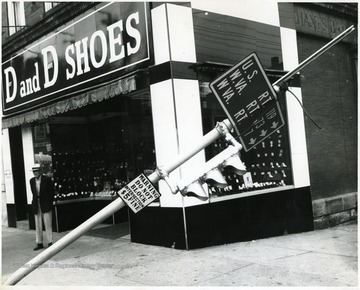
[223, 129]
[165, 176]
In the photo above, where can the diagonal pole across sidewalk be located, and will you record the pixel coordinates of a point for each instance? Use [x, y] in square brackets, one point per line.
[118, 203]
[110, 209]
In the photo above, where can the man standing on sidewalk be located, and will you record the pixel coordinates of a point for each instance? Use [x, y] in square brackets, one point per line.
[43, 195]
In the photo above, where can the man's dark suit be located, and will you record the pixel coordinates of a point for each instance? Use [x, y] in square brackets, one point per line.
[46, 194]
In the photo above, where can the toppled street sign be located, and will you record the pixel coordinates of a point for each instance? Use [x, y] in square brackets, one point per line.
[249, 100]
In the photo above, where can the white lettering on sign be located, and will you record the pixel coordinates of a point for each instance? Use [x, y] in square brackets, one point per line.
[102, 38]
[240, 115]
[139, 193]
[77, 54]
[134, 33]
[82, 57]
[240, 85]
[228, 94]
[252, 107]
[89, 53]
[271, 114]
[30, 85]
[10, 81]
[46, 52]
[247, 64]
[237, 85]
[264, 98]
[249, 101]
[224, 83]
[259, 123]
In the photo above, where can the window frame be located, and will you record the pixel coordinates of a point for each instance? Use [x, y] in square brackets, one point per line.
[16, 16]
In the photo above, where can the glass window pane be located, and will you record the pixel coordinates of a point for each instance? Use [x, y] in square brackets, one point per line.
[100, 148]
[33, 12]
[4, 22]
[42, 147]
[221, 42]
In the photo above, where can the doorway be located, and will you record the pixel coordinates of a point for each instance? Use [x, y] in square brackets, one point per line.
[17, 164]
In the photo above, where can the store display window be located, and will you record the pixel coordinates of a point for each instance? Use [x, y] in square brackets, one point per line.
[99, 148]
[42, 147]
[221, 42]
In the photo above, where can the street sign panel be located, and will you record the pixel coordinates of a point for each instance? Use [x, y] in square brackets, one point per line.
[138, 193]
[249, 100]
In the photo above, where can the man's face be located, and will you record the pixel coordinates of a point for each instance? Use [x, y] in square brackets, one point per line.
[36, 173]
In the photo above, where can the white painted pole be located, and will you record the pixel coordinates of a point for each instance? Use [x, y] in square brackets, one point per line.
[64, 242]
[154, 178]
[107, 211]
[314, 56]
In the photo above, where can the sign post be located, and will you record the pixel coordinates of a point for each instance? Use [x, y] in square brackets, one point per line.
[249, 100]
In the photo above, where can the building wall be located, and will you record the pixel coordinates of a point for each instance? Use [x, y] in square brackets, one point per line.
[329, 89]
[175, 100]
[330, 97]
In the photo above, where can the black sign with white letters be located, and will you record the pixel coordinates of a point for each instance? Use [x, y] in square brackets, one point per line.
[249, 101]
[98, 45]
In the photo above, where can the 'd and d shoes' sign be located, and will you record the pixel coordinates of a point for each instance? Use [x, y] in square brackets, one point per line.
[249, 101]
[138, 193]
[93, 46]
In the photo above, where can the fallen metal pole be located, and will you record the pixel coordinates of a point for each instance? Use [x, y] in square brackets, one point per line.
[64, 242]
[315, 55]
[107, 211]
[117, 204]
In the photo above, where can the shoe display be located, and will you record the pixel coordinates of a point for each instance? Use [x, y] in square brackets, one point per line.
[38, 247]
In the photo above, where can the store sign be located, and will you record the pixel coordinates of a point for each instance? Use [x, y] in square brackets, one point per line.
[248, 99]
[105, 41]
[321, 24]
[139, 193]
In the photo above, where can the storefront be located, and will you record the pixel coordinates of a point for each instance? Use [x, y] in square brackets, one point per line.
[105, 108]
[77, 101]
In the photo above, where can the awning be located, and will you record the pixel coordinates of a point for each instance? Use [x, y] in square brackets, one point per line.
[110, 90]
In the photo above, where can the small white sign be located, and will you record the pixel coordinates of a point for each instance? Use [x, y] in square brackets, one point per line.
[248, 179]
[138, 193]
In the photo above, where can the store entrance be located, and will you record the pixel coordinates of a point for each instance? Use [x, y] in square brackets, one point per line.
[96, 150]
[18, 171]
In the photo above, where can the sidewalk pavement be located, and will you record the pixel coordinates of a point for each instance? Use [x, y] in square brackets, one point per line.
[319, 258]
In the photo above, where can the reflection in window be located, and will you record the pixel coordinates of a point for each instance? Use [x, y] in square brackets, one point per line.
[101, 147]
[33, 12]
[224, 39]
[42, 147]
[221, 42]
